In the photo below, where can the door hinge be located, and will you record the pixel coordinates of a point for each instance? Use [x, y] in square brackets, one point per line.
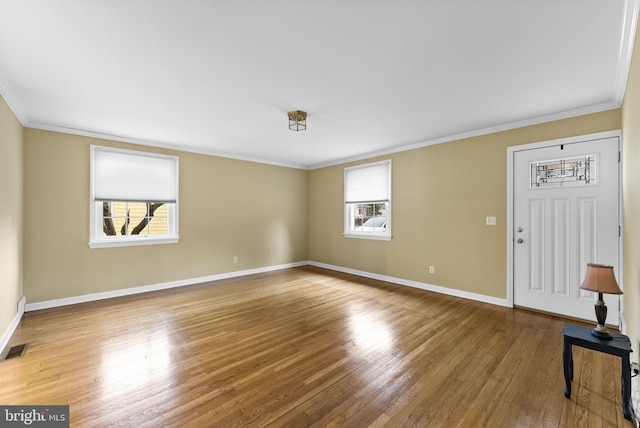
[619, 156]
[619, 231]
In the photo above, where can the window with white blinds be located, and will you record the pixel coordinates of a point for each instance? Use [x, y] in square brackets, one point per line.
[367, 200]
[134, 197]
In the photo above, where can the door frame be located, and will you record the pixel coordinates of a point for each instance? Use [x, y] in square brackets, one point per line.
[511, 150]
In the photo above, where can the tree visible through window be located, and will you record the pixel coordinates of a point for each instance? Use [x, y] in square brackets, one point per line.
[137, 222]
[134, 198]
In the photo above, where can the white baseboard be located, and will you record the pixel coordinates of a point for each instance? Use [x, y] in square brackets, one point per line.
[6, 336]
[21, 304]
[181, 283]
[154, 287]
[415, 284]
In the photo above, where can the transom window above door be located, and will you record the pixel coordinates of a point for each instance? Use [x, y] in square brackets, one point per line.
[576, 171]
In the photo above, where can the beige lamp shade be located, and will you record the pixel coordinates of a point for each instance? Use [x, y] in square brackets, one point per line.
[601, 279]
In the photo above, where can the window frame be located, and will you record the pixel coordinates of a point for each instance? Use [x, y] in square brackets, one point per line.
[96, 236]
[349, 232]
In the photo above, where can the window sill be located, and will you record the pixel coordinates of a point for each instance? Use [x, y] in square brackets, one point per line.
[132, 242]
[371, 236]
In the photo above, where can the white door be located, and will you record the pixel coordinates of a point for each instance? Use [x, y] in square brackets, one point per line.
[565, 208]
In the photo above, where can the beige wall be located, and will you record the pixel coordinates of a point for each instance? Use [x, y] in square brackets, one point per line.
[228, 208]
[10, 216]
[631, 200]
[268, 215]
[441, 196]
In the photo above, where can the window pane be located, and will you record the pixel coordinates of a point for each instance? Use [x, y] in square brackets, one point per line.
[158, 226]
[134, 218]
[134, 198]
[119, 209]
[368, 217]
[367, 201]
[134, 226]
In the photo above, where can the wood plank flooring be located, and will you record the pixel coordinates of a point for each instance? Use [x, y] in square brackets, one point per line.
[306, 347]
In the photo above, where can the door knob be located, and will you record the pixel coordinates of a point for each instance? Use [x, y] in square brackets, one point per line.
[519, 229]
[520, 241]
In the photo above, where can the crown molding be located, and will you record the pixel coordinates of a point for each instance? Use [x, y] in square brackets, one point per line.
[147, 143]
[626, 50]
[190, 149]
[631, 8]
[12, 101]
[476, 133]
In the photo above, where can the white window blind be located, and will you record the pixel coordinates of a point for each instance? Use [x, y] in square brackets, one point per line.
[369, 183]
[126, 175]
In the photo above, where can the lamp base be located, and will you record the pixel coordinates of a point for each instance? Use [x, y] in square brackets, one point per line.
[601, 333]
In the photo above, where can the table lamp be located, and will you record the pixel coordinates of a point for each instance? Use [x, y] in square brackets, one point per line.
[600, 279]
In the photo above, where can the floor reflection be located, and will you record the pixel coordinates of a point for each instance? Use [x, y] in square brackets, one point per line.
[137, 366]
[370, 332]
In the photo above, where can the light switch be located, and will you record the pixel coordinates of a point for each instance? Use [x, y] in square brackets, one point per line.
[491, 221]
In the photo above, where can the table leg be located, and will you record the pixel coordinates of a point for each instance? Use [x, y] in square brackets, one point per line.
[571, 363]
[567, 365]
[626, 386]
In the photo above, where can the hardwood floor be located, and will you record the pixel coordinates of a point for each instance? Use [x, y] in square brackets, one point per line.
[306, 347]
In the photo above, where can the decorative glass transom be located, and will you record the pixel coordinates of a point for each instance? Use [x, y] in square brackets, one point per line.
[579, 171]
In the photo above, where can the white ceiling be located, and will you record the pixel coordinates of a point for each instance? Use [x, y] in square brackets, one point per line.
[218, 77]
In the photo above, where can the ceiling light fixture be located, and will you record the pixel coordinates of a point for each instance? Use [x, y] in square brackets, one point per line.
[297, 120]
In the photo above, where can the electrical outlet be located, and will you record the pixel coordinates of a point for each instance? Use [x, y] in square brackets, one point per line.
[490, 221]
[235, 259]
[432, 269]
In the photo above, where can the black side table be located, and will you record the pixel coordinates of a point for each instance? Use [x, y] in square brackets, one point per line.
[620, 346]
